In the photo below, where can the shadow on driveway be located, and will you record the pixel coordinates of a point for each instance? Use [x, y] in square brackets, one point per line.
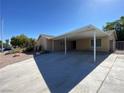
[63, 72]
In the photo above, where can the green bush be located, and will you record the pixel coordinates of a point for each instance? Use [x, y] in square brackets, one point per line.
[29, 49]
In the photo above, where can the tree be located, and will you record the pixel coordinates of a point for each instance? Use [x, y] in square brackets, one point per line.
[0, 43]
[109, 26]
[23, 41]
[118, 26]
[19, 41]
[30, 45]
[4, 45]
[14, 42]
[7, 43]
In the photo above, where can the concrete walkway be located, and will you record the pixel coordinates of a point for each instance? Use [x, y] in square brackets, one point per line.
[22, 77]
[114, 83]
[108, 77]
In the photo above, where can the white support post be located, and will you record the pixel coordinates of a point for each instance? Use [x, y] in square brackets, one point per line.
[65, 46]
[53, 45]
[94, 46]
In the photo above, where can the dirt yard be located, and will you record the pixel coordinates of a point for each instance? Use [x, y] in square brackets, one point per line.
[10, 59]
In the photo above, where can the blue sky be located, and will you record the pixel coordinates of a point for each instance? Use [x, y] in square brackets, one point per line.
[54, 17]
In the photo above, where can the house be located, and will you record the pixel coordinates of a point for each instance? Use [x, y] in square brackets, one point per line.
[44, 42]
[88, 38]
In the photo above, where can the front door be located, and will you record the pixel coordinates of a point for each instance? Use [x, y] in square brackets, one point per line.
[73, 45]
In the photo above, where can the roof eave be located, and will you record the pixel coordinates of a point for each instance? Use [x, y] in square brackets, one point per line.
[91, 27]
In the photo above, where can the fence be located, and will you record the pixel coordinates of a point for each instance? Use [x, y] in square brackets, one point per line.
[119, 45]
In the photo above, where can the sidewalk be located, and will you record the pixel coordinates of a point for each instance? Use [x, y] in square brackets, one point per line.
[22, 77]
[108, 77]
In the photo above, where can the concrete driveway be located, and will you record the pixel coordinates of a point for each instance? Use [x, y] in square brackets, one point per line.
[73, 73]
[63, 72]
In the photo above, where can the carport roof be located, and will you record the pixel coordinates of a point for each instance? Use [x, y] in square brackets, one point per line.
[84, 32]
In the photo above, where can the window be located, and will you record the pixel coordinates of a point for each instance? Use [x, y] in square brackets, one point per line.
[62, 43]
[98, 43]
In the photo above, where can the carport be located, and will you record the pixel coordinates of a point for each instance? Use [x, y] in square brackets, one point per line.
[82, 33]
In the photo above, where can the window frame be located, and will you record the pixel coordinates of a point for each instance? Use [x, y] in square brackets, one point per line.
[92, 41]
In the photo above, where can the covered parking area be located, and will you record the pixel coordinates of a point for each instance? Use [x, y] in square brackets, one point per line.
[62, 73]
[81, 39]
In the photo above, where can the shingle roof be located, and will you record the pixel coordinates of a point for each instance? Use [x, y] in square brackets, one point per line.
[46, 36]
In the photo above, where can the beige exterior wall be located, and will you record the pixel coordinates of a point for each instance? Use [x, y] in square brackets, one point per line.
[41, 42]
[85, 44]
[105, 44]
[81, 44]
[112, 37]
[45, 43]
[49, 44]
[58, 45]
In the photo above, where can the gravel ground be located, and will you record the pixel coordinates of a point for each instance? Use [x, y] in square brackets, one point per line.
[9, 59]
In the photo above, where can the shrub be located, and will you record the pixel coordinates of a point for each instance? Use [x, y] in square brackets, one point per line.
[16, 50]
[29, 49]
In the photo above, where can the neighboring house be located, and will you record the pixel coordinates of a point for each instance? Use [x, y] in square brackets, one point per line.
[87, 38]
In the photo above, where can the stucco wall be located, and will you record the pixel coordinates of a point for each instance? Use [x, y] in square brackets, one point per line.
[105, 44]
[85, 44]
[112, 37]
[41, 42]
[49, 44]
[58, 45]
[45, 43]
[81, 44]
